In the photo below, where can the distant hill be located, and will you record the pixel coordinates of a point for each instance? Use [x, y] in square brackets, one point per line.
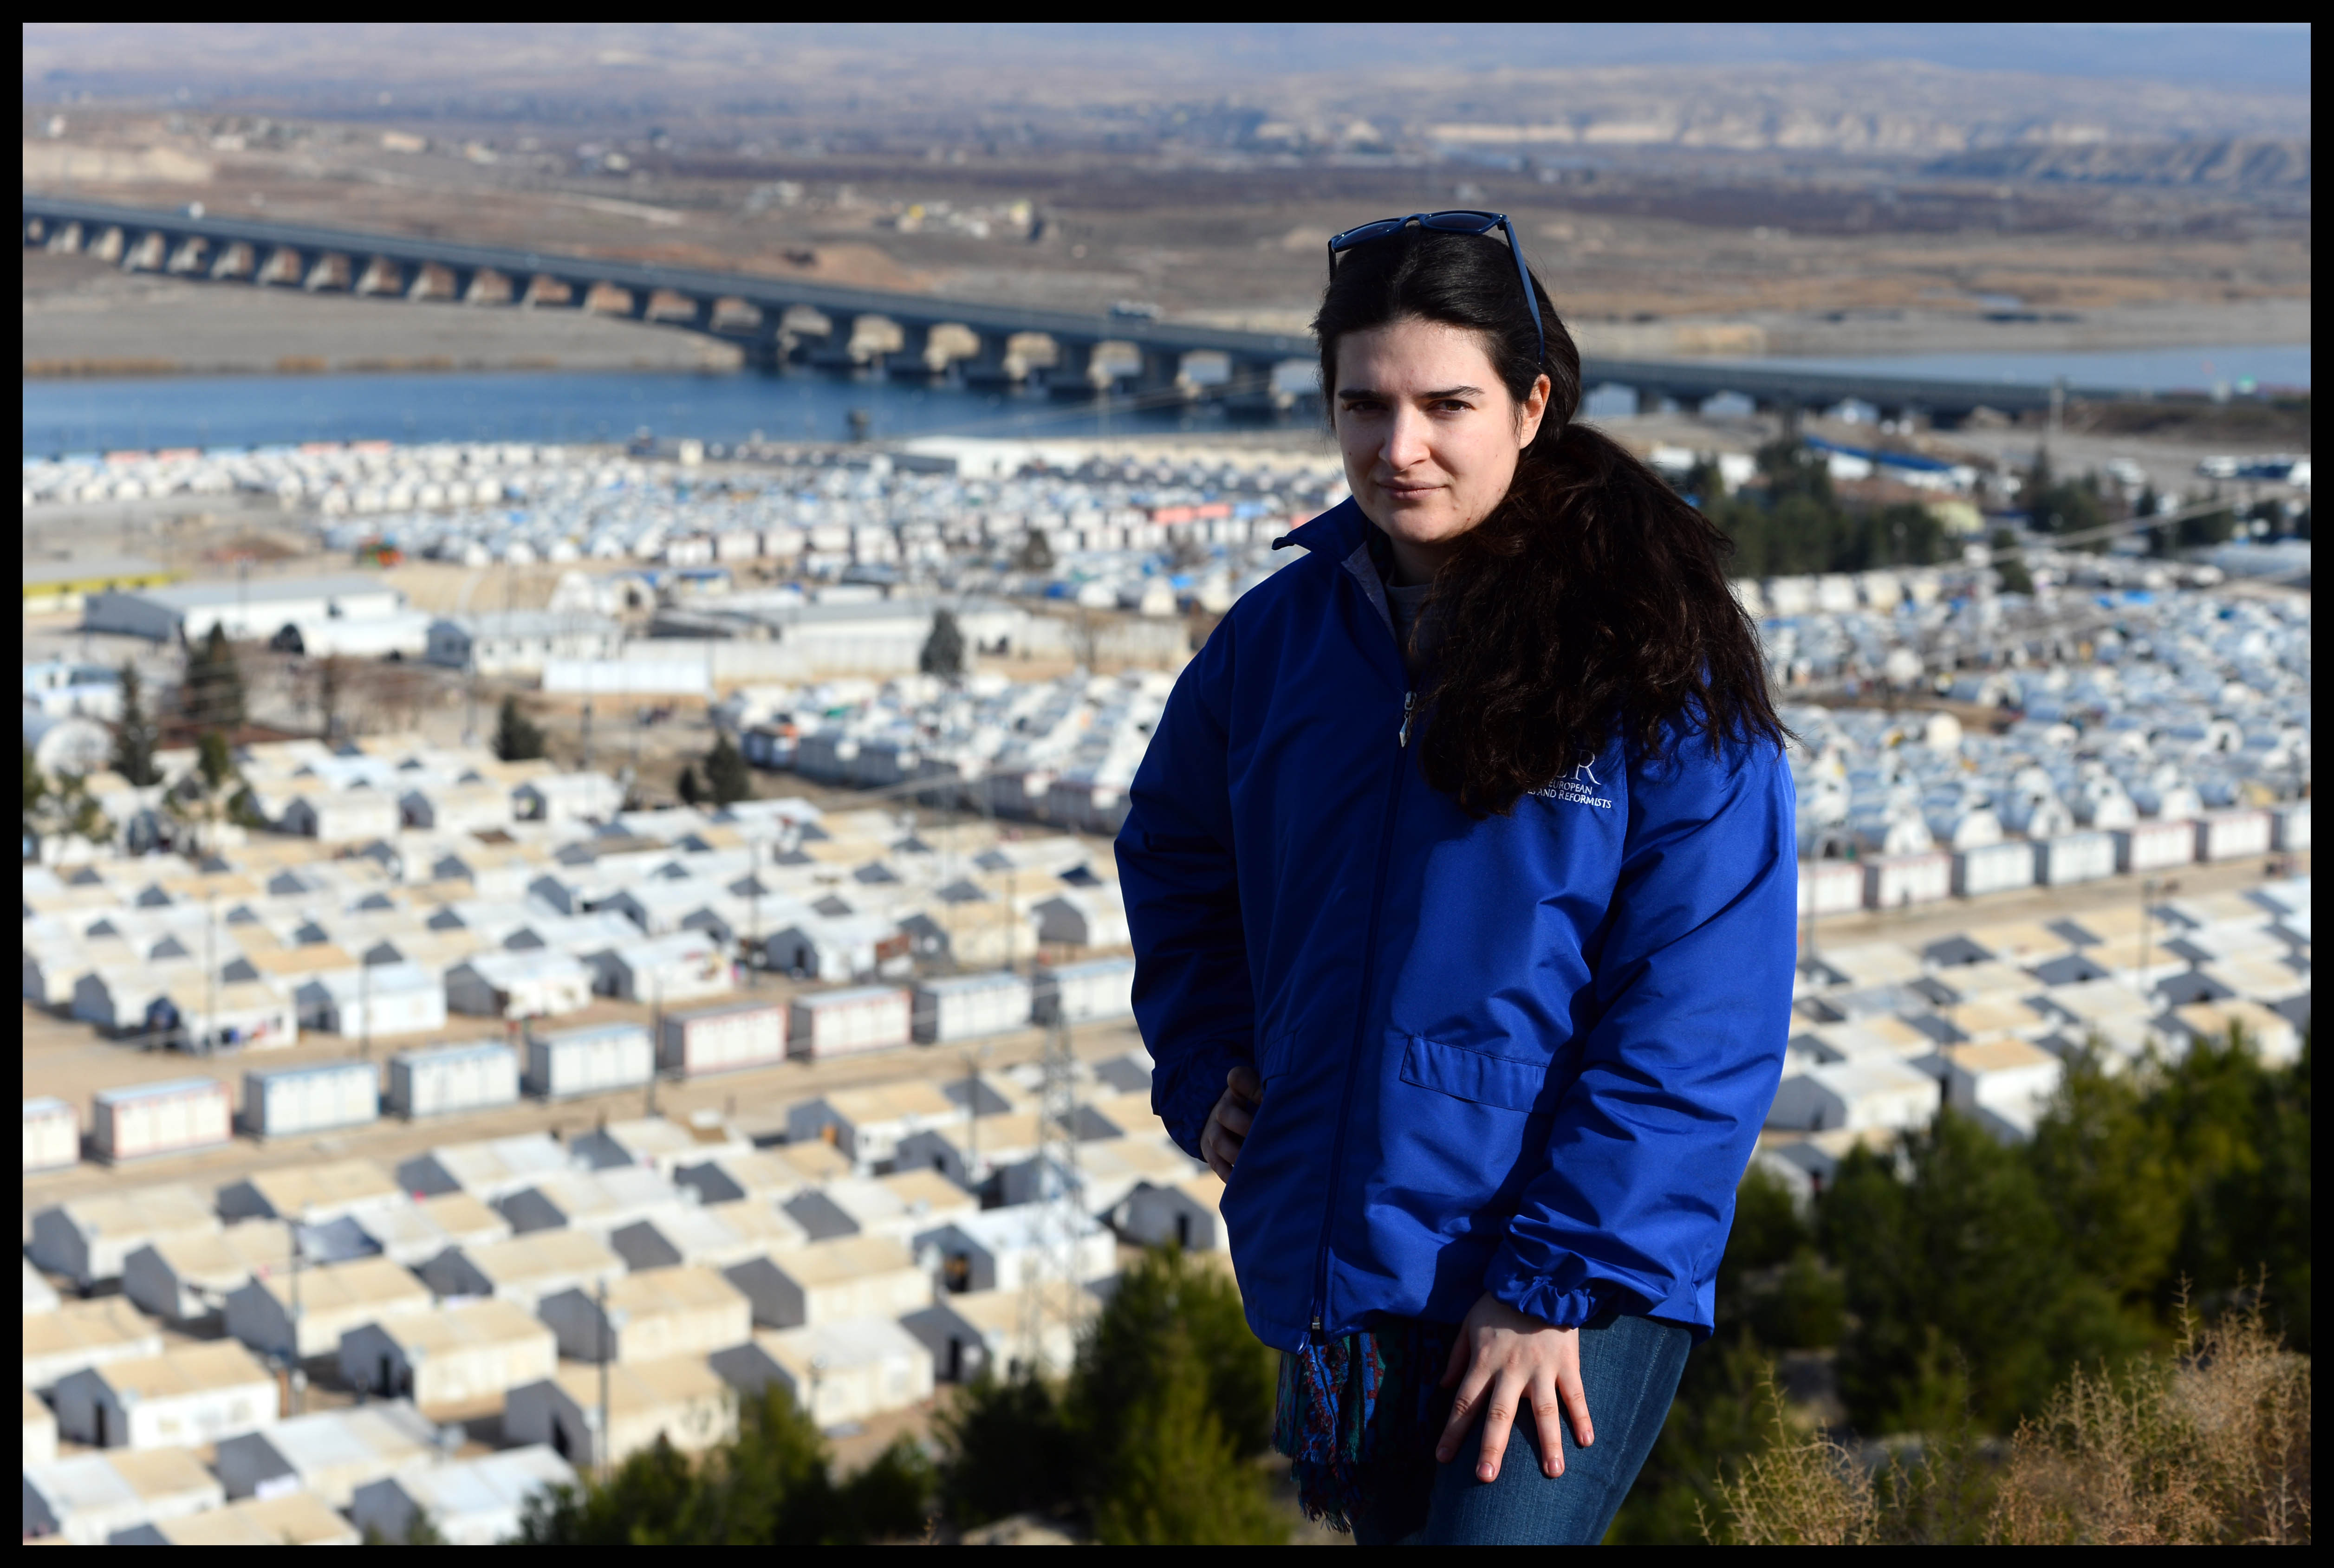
[2283, 164]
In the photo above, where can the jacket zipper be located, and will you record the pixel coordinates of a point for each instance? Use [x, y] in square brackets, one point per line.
[1361, 1017]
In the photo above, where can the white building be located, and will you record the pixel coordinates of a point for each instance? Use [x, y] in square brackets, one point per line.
[1007, 1248]
[81, 1334]
[685, 966]
[384, 999]
[189, 1395]
[88, 1239]
[487, 1169]
[520, 642]
[1869, 1092]
[470, 1503]
[682, 1399]
[850, 1370]
[331, 1302]
[833, 1282]
[532, 984]
[342, 816]
[989, 1331]
[329, 1453]
[458, 1360]
[649, 1316]
[526, 1268]
[1188, 1214]
[250, 609]
[87, 1499]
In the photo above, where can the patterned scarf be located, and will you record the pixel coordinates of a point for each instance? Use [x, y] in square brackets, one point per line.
[1353, 1406]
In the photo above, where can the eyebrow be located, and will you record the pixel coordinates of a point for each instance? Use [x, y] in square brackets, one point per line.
[1429, 397]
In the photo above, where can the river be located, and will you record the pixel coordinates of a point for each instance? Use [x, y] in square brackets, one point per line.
[111, 414]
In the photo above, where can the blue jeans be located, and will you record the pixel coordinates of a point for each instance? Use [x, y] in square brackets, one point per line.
[1629, 1367]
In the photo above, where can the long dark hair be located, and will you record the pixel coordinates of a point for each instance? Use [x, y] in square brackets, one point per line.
[1592, 602]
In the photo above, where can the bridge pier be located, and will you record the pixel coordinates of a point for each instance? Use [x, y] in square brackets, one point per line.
[377, 276]
[234, 259]
[910, 361]
[63, 239]
[188, 255]
[144, 254]
[1071, 379]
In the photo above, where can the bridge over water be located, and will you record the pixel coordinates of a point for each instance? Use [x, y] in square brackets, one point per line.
[776, 320]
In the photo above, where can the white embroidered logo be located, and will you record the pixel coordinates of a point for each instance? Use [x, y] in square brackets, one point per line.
[1577, 788]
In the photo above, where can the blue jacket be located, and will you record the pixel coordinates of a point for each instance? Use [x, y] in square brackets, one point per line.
[1531, 1053]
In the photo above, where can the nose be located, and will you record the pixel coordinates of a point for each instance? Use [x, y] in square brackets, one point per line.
[1405, 444]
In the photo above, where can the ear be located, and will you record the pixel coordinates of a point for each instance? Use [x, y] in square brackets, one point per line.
[1531, 411]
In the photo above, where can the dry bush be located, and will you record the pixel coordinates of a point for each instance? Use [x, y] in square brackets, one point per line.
[2210, 1447]
[1804, 1490]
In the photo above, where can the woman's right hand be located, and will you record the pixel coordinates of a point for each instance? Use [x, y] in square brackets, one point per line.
[1228, 1123]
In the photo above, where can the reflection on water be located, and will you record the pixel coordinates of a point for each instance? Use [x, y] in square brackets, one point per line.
[68, 415]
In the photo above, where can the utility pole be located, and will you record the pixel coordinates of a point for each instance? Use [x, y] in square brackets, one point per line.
[364, 1008]
[210, 971]
[299, 1379]
[1054, 1289]
[600, 1444]
[656, 1033]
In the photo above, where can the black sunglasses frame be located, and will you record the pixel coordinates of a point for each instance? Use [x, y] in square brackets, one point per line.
[1459, 220]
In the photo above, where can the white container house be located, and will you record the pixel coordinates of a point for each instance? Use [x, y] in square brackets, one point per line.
[330, 1302]
[88, 1500]
[418, 1229]
[2230, 835]
[293, 1101]
[1083, 993]
[81, 1334]
[833, 1282]
[1994, 869]
[540, 982]
[2291, 827]
[438, 1079]
[989, 1331]
[1898, 882]
[290, 1519]
[596, 1201]
[1868, 1091]
[51, 1134]
[401, 998]
[312, 1193]
[342, 816]
[1831, 888]
[2155, 846]
[658, 1143]
[88, 1239]
[1188, 1214]
[728, 1038]
[848, 1022]
[329, 1453]
[965, 1006]
[685, 967]
[2073, 857]
[851, 1370]
[148, 1119]
[40, 1431]
[469, 1502]
[866, 1125]
[589, 1061]
[487, 1169]
[682, 1399]
[188, 1395]
[186, 1279]
[458, 1360]
[526, 1268]
[649, 1315]
[1007, 1248]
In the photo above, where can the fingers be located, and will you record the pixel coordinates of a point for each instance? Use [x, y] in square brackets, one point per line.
[1498, 1422]
[1220, 1150]
[1463, 1404]
[1548, 1420]
[1574, 1394]
[1233, 1117]
[1244, 1083]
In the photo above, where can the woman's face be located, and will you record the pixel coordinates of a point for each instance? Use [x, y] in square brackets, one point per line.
[1430, 435]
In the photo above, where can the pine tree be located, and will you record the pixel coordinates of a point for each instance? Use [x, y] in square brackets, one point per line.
[1036, 554]
[133, 733]
[214, 694]
[215, 761]
[943, 652]
[516, 738]
[686, 787]
[1182, 1483]
[727, 777]
[328, 693]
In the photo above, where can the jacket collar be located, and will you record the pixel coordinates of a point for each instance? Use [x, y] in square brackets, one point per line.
[1335, 532]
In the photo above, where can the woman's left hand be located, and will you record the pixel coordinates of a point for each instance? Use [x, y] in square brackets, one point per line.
[1503, 1362]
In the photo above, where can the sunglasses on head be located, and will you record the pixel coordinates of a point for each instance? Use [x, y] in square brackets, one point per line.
[1461, 221]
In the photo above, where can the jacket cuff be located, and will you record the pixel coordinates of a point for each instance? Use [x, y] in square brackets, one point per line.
[1565, 1300]
[1183, 1097]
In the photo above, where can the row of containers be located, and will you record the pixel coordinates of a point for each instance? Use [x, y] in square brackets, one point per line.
[151, 1120]
[1894, 881]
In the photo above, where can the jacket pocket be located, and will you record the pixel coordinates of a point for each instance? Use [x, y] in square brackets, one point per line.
[1471, 1075]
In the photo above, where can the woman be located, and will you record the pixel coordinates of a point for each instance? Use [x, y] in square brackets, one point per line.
[1461, 872]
